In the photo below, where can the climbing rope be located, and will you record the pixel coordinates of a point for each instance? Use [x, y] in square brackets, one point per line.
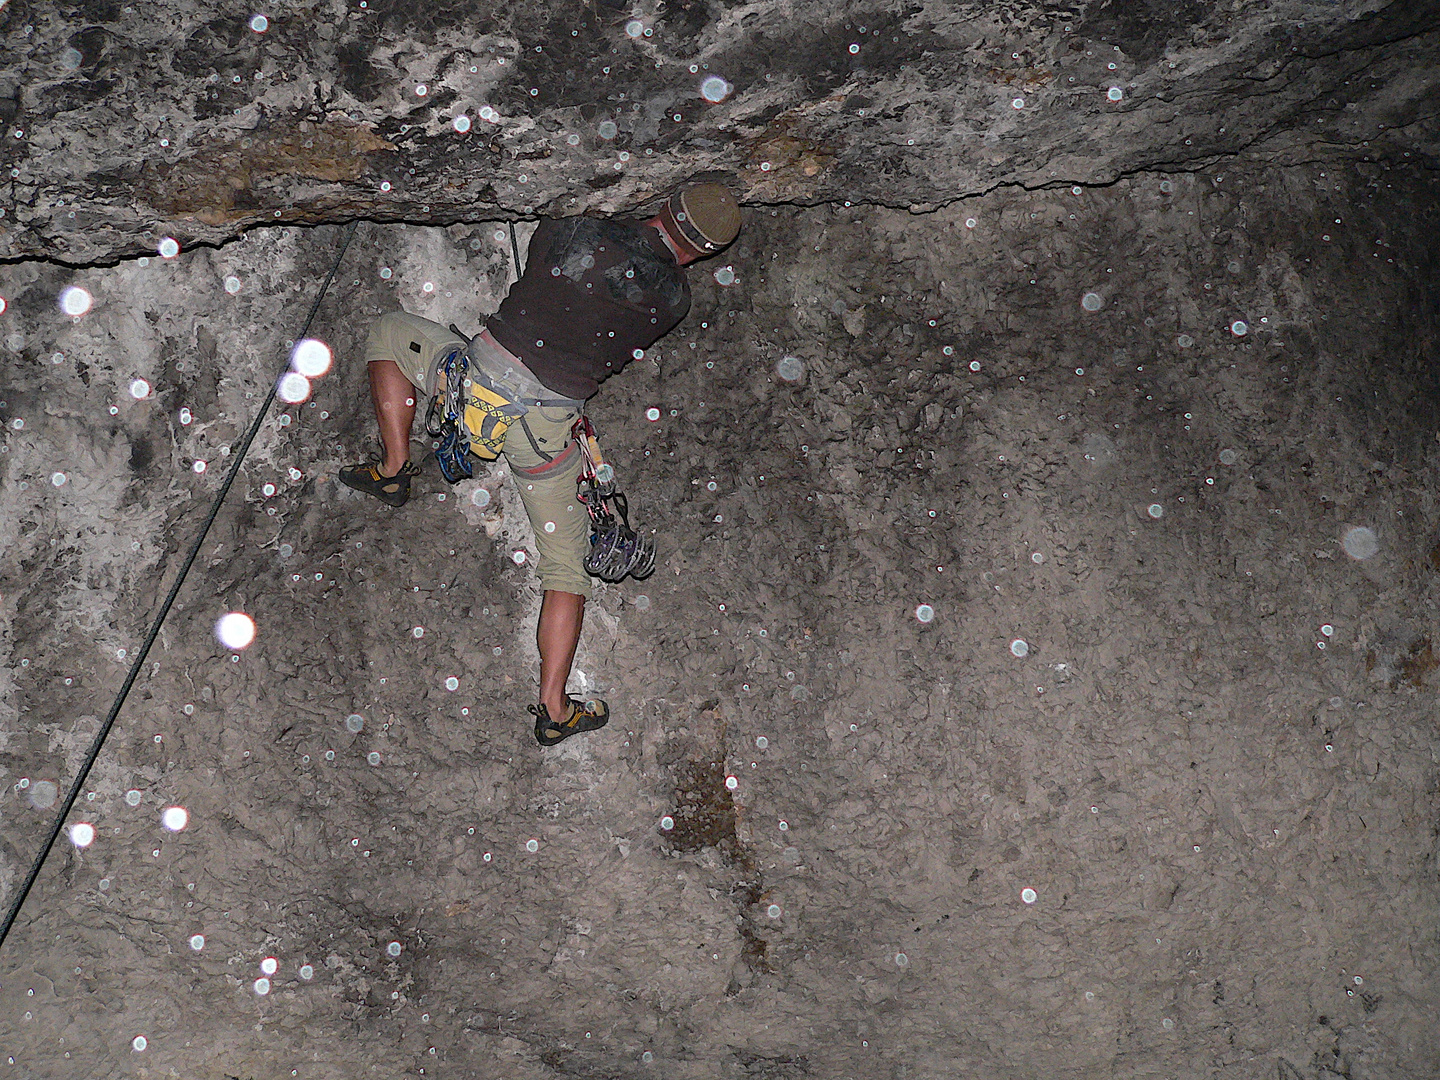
[135, 667]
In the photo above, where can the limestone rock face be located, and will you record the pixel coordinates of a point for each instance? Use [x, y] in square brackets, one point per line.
[1038, 675]
[125, 123]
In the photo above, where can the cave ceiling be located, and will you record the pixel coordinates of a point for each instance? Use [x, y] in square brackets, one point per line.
[125, 123]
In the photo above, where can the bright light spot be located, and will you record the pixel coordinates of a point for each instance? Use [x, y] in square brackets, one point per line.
[1018, 103]
[607, 129]
[186, 416]
[311, 358]
[461, 123]
[452, 683]
[518, 557]
[901, 960]
[1020, 647]
[75, 301]
[532, 845]
[715, 89]
[262, 987]
[925, 613]
[1155, 510]
[1327, 630]
[974, 365]
[421, 90]
[549, 526]
[235, 630]
[725, 275]
[490, 115]
[1037, 557]
[1238, 328]
[418, 632]
[394, 948]
[1092, 301]
[197, 941]
[175, 818]
[139, 1043]
[480, 497]
[307, 972]
[133, 797]
[652, 414]
[169, 247]
[58, 479]
[732, 782]
[259, 23]
[139, 389]
[854, 49]
[635, 28]
[1028, 895]
[83, 834]
[355, 723]
[1360, 542]
[373, 757]
[970, 223]
[3, 305]
[667, 823]
[1115, 93]
[790, 368]
[293, 388]
[761, 742]
[267, 490]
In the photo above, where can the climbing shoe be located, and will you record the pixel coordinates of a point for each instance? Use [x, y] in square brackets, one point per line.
[579, 716]
[368, 478]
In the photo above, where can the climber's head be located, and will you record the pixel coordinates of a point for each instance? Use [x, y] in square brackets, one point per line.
[699, 220]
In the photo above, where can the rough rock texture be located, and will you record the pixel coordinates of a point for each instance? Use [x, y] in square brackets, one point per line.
[128, 122]
[1216, 764]
[1039, 677]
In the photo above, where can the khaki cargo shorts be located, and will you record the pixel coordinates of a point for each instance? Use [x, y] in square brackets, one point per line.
[547, 488]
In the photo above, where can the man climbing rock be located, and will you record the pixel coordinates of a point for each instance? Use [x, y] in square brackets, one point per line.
[595, 293]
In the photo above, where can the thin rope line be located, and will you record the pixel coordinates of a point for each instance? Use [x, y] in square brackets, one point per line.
[135, 667]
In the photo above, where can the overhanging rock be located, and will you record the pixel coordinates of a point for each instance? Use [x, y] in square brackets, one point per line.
[126, 123]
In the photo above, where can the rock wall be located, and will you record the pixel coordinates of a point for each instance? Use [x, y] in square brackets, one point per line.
[1015, 695]
[127, 123]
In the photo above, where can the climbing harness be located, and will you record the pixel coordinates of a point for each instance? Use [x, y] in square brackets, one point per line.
[615, 548]
[469, 414]
[238, 458]
[472, 411]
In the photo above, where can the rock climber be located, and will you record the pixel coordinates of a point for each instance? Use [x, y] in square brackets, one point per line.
[594, 294]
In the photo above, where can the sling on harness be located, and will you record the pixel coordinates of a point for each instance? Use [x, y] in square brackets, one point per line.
[615, 548]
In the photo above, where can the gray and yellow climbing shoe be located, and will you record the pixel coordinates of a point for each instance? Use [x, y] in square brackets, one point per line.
[368, 478]
[579, 716]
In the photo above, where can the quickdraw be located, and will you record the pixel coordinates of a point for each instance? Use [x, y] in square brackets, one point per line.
[615, 548]
[443, 419]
